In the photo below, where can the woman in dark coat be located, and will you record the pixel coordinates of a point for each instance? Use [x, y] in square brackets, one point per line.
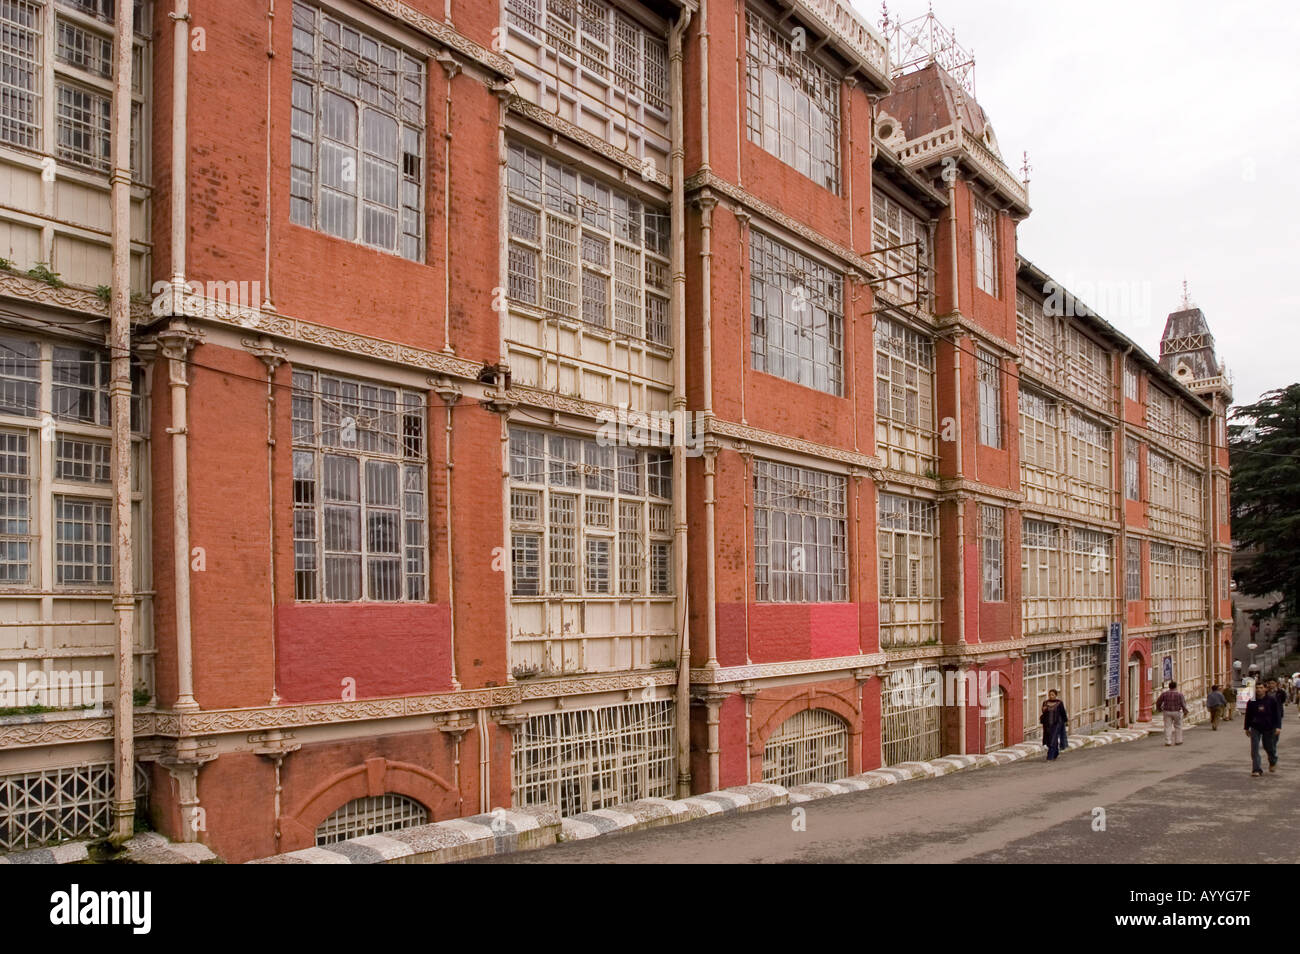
[1054, 721]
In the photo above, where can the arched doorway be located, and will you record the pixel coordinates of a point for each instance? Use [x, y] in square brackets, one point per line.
[810, 746]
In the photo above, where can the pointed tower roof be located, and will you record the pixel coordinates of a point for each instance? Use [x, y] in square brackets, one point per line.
[1187, 350]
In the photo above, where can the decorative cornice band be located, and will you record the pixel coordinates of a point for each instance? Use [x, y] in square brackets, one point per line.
[587, 140]
[753, 435]
[444, 34]
[797, 667]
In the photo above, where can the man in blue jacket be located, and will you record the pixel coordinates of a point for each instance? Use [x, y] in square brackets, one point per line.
[1262, 725]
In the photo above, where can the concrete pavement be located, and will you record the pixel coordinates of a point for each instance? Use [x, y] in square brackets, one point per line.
[1194, 803]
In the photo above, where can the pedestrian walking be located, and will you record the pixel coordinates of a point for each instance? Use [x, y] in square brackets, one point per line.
[1263, 727]
[1054, 720]
[1217, 703]
[1173, 706]
[1230, 692]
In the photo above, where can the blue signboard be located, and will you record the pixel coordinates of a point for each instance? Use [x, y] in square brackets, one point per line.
[1167, 668]
[1114, 655]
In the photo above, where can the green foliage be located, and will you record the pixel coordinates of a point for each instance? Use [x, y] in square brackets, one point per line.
[141, 697]
[1265, 454]
[104, 293]
[41, 272]
[25, 710]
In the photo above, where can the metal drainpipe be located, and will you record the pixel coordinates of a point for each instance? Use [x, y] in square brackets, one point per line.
[119, 342]
[683, 696]
[450, 66]
[1208, 514]
[704, 88]
[707, 205]
[1121, 557]
[484, 764]
[185, 700]
[450, 394]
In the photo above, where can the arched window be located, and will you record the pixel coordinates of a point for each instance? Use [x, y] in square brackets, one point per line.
[810, 746]
[370, 816]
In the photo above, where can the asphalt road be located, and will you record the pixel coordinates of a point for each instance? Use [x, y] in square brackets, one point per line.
[1194, 803]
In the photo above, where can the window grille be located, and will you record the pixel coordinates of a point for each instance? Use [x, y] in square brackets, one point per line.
[584, 250]
[16, 536]
[991, 548]
[793, 104]
[1038, 430]
[995, 723]
[1164, 587]
[577, 760]
[359, 491]
[357, 152]
[1086, 372]
[990, 398]
[1130, 381]
[910, 721]
[77, 77]
[907, 261]
[75, 491]
[1036, 335]
[61, 804]
[810, 746]
[1132, 569]
[1092, 585]
[21, 76]
[905, 397]
[1160, 413]
[1040, 554]
[1132, 472]
[1089, 466]
[1042, 672]
[371, 815]
[797, 309]
[1086, 703]
[1225, 577]
[986, 248]
[584, 33]
[908, 544]
[1192, 680]
[800, 540]
[592, 510]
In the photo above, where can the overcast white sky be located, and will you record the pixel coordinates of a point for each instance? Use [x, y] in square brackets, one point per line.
[1164, 137]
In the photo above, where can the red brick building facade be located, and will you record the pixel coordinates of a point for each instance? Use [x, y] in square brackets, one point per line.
[565, 402]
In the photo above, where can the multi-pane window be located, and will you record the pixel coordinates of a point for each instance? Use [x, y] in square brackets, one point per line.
[1091, 562]
[1132, 569]
[1042, 673]
[1089, 458]
[1130, 381]
[905, 397]
[1160, 413]
[1038, 432]
[901, 243]
[371, 815]
[1221, 497]
[587, 518]
[77, 78]
[581, 249]
[986, 247]
[793, 103]
[910, 721]
[1086, 371]
[72, 435]
[604, 42]
[800, 534]
[989, 369]
[992, 547]
[1040, 565]
[1164, 588]
[1225, 575]
[810, 746]
[1132, 473]
[357, 153]
[1036, 335]
[908, 545]
[797, 312]
[359, 491]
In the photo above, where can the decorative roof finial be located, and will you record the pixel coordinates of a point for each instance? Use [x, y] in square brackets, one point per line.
[1187, 299]
[1025, 170]
[884, 18]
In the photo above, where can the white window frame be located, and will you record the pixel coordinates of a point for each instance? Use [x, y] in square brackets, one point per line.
[345, 426]
[908, 570]
[781, 83]
[810, 746]
[993, 553]
[989, 369]
[582, 249]
[800, 517]
[901, 241]
[1132, 569]
[597, 518]
[81, 135]
[1132, 469]
[371, 815]
[1130, 381]
[378, 185]
[985, 227]
[797, 315]
[905, 379]
[56, 426]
